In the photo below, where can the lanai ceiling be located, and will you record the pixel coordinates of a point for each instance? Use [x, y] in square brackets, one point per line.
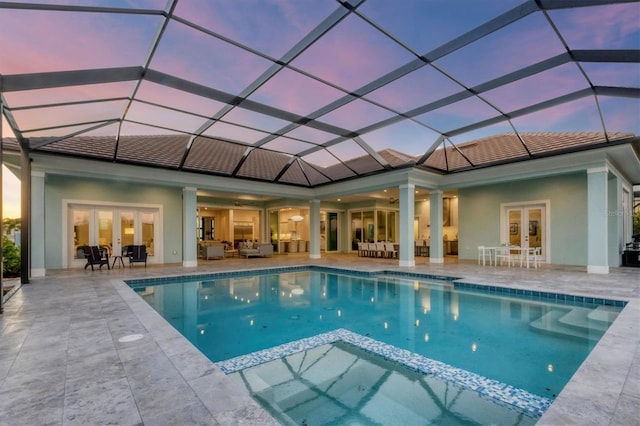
[309, 92]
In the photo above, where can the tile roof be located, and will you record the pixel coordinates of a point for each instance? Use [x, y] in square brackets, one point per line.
[509, 148]
[213, 156]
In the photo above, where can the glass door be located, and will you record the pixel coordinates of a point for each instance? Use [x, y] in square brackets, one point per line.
[81, 236]
[147, 231]
[127, 232]
[274, 232]
[111, 228]
[332, 231]
[533, 219]
[105, 231]
[526, 226]
[515, 227]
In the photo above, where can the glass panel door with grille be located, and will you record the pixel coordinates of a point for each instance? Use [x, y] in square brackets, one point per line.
[110, 228]
[525, 227]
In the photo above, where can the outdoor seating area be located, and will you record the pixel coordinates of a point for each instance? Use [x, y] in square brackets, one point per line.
[379, 249]
[509, 255]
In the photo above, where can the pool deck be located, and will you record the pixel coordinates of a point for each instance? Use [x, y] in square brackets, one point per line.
[62, 363]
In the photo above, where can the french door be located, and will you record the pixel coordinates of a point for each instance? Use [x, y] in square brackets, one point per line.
[525, 225]
[111, 228]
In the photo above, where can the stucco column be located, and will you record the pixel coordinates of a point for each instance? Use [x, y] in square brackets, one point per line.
[597, 220]
[615, 217]
[37, 225]
[189, 227]
[407, 210]
[436, 248]
[314, 229]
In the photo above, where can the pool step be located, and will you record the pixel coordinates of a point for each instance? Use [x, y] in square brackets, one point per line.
[580, 319]
[604, 315]
[578, 322]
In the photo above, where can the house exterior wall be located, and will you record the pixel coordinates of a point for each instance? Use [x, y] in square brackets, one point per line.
[479, 215]
[59, 188]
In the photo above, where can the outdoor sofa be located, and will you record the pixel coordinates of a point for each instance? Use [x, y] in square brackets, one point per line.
[255, 250]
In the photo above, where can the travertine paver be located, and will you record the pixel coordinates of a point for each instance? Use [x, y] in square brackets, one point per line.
[61, 361]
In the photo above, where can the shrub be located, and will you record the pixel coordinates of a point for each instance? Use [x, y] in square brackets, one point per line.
[10, 258]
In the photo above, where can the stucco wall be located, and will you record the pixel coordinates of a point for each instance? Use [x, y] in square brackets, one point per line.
[479, 215]
[59, 188]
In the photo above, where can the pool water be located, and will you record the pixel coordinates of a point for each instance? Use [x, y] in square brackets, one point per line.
[338, 384]
[531, 343]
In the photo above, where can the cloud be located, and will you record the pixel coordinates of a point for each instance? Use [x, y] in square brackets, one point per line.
[270, 26]
[207, 60]
[576, 116]
[295, 92]
[352, 54]
[502, 52]
[601, 27]
[549, 84]
[59, 41]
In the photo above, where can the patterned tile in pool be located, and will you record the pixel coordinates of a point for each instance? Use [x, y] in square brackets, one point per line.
[501, 393]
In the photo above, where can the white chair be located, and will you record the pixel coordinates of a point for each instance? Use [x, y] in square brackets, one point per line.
[389, 251]
[379, 249]
[483, 252]
[535, 253]
[371, 249]
[503, 253]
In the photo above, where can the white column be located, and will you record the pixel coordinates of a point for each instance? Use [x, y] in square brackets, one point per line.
[436, 249]
[597, 220]
[37, 264]
[189, 227]
[314, 229]
[407, 210]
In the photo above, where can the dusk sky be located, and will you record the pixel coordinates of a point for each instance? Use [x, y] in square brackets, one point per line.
[232, 46]
[10, 194]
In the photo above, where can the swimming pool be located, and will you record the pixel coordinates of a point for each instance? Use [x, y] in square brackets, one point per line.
[530, 340]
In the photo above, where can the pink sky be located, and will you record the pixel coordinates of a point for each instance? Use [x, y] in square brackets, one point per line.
[349, 55]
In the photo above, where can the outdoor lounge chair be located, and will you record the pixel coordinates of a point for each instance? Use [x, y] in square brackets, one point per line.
[136, 253]
[95, 256]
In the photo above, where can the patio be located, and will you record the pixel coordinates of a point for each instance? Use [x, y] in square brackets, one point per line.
[61, 360]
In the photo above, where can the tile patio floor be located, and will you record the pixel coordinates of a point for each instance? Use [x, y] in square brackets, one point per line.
[61, 361]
